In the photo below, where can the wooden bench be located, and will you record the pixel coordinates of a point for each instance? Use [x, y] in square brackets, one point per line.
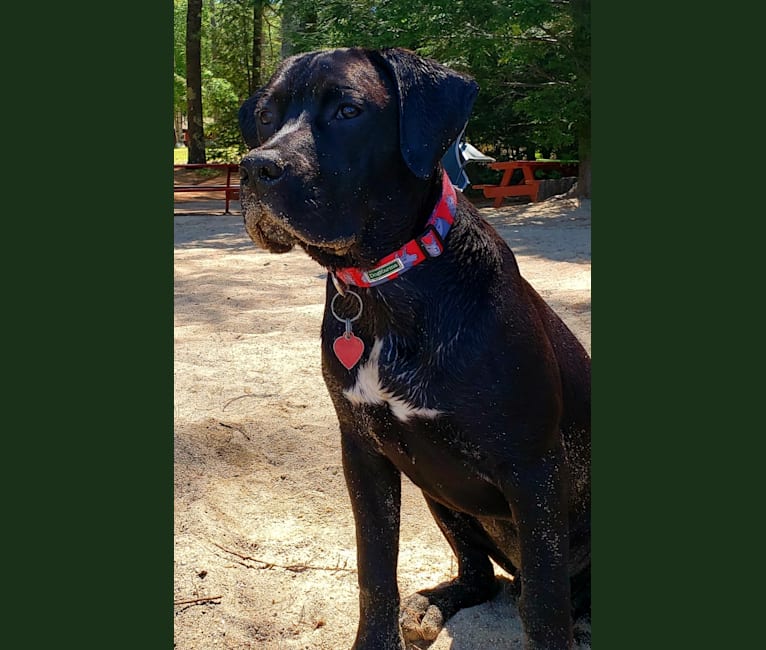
[529, 186]
[230, 191]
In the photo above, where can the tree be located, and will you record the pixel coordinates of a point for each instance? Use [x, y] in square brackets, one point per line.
[291, 25]
[552, 77]
[239, 50]
[581, 49]
[196, 129]
[255, 78]
[530, 57]
[179, 69]
[299, 23]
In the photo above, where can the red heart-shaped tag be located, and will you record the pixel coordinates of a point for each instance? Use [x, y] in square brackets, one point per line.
[348, 349]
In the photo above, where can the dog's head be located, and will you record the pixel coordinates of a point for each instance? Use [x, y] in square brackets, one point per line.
[344, 148]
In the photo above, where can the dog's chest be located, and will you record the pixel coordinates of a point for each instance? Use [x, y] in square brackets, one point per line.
[425, 446]
[401, 385]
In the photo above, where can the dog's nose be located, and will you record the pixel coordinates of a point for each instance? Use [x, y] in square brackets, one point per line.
[261, 168]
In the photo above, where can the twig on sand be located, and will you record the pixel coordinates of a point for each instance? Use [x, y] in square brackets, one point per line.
[197, 601]
[296, 568]
[230, 426]
[234, 399]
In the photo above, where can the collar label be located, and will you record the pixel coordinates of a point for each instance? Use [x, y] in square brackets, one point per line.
[383, 271]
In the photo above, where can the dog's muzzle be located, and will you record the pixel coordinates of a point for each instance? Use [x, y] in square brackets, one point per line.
[259, 172]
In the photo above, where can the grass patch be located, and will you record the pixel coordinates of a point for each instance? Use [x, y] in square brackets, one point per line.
[213, 155]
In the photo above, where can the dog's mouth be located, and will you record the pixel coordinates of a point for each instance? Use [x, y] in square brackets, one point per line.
[275, 233]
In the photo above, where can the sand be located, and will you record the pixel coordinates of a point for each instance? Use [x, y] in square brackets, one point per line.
[263, 533]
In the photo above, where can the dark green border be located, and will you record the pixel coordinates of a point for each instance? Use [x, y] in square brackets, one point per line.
[630, 215]
[675, 179]
[89, 345]
[88, 285]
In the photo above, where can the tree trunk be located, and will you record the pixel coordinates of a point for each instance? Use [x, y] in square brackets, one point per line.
[256, 80]
[194, 82]
[290, 24]
[299, 23]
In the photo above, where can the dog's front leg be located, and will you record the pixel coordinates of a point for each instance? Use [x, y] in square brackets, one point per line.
[374, 486]
[539, 505]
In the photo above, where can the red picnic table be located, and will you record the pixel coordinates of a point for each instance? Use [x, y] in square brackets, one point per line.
[230, 190]
[529, 186]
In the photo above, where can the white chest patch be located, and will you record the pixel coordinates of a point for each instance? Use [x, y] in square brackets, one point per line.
[368, 390]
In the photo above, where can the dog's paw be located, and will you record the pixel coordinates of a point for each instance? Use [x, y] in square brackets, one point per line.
[423, 615]
[420, 620]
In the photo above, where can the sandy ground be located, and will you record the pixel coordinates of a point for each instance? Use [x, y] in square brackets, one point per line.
[263, 532]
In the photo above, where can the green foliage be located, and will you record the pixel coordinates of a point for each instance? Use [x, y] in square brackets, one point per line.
[179, 93]
[219, 96]
[530, 57]
[228, 154]
[228, 77]
[520, 52]
[179, 55]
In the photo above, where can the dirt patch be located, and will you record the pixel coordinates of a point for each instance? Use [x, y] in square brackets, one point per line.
[263, 532]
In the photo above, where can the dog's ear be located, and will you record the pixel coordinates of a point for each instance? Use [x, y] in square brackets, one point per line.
[434, 105]
[247, 125]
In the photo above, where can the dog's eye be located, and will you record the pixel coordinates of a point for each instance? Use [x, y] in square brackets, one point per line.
[347, 112]
[265, 116]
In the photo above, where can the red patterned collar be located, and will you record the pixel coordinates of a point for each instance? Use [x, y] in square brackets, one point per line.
[429, 244]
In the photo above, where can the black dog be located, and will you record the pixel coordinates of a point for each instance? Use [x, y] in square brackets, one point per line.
[442, 361]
